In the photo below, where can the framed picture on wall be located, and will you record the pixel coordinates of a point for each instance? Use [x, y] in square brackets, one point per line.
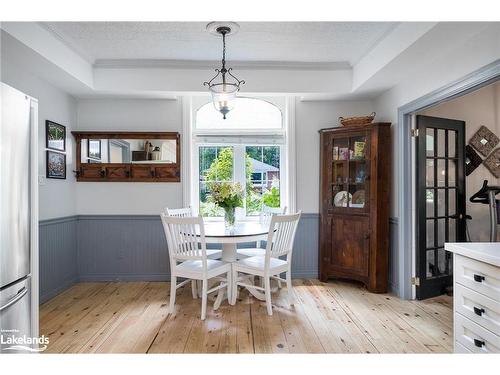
[56, 165]
[55, 136]
[94, 148]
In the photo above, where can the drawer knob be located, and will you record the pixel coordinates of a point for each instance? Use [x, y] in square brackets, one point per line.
[479, 311]
[479, 343]
[478, 278]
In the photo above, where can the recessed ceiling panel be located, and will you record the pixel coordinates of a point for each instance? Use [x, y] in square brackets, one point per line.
[255, 41]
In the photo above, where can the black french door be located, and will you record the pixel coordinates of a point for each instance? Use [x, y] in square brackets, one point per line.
[440, 200]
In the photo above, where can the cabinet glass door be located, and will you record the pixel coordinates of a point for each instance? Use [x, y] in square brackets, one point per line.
[349, 172]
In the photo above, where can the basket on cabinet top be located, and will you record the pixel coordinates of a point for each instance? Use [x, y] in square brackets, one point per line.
[359, 120]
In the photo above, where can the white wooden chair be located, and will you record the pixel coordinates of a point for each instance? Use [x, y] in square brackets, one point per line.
[265, 218]
[179, 212]
[188, 212]
[188, 259]
[211, 253]
[279, 244]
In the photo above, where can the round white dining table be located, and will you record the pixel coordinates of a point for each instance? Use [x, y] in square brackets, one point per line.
[243, 232]
[217, 233]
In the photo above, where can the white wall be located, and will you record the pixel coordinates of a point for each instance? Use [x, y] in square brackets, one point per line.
[56, 197]
[476, 109]
[107, 198]
[166, 115]
[436, 72]
[311, 117]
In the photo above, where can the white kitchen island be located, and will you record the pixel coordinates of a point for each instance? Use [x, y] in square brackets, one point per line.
[476, 296]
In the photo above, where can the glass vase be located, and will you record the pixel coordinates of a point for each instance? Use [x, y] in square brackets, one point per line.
[229, 217]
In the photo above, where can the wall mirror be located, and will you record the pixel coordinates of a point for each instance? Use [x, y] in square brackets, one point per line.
[128, 156]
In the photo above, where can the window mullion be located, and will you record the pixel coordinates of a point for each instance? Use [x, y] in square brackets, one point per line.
[239, 175]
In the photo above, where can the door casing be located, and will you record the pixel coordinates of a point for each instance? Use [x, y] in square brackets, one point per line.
[406, 163]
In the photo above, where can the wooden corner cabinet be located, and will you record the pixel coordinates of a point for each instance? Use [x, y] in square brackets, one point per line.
[127, 156]
[354, 204]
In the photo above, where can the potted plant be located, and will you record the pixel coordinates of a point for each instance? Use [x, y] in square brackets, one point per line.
[228, 196]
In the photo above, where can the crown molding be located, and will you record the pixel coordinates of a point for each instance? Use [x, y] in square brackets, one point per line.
[204, 64]
[68, 42]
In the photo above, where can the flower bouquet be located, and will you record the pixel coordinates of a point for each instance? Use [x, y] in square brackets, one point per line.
[228, 196]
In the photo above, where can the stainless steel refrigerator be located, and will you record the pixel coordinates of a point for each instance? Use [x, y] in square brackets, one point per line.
[17, 218]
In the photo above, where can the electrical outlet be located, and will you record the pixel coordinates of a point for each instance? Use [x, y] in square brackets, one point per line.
[41, 180]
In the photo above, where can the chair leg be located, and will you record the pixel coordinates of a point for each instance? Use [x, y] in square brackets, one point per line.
[279, 283]
[198, 287]
[289, 288]
[220, 293]
[267, 283]
[204, 299]
[194, 289]
[173, 289]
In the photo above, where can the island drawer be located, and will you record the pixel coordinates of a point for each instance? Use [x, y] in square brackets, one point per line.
[474, 337]
[478, 276]
[478, 308]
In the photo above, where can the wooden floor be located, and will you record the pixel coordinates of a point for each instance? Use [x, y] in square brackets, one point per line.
[335, 317]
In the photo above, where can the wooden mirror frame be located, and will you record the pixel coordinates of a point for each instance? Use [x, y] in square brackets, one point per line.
[127, 172]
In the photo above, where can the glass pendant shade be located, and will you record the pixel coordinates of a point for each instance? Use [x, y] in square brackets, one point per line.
[223, 93]
[223, 96]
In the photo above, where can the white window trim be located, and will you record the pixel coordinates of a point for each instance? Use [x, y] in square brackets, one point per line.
[192, 139]
[186, 152]
[290, 154]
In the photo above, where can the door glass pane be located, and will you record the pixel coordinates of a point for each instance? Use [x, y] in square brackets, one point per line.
[430, 233]
[429, 172]
[452, 139]
[441, 143]
[441, 195]
[441, 172]
[440, 229]
[433, 269]
[429, 142]
[452, 173]
[430, 263]
[452, 202]
[429, 202]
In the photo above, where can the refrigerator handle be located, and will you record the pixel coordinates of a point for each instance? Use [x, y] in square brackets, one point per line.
[17, 297]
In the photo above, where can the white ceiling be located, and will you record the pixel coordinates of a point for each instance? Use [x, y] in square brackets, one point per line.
[256, 41]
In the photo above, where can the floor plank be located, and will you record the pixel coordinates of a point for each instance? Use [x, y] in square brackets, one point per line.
[334, 317]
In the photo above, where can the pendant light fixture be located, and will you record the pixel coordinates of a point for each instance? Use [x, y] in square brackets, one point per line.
[226, 86]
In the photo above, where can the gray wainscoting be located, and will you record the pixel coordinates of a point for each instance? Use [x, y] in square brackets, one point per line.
[122, 247]
[133, 247]
[58, 255]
